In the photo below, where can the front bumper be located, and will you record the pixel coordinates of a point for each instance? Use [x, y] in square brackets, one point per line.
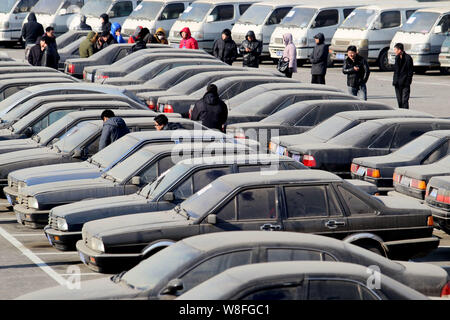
[10, 35]
[444, 60]
[11, 195]
[339, 53]
[106, 262]
[31, 217]
[425, 60]
[303, 53]
[62, 240]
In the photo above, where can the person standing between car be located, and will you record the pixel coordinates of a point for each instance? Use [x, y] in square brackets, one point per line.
[37, 52]
[225, 48]
[32, 30]
[106, 25]
[187, 42]
[251, 49]
[159, 37]
[162, 123]
[290, 52]
[52, 50]
[140, 40]
[87, 45]
[116, 29]
[114, 128]
[357, 70]
[134, 36]
[104, 40]
[319, 60]
[403, 74]
[83, 25]
[210, 110]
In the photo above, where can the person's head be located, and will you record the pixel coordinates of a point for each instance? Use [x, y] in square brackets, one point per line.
[116, 28]
[351, 52]
[226, 34]
[160, 122]
[160, 34]
[105, 35]
[250, 36]
[50, 32]
[42, 43]
[319, 38]
[107, 114]
[399, 49]
[212, 88]
[185, 33]
[287, 38]
[104, 18]
[143, 33]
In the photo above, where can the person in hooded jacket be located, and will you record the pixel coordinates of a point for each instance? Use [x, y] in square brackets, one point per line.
[319, 60]
[141, 42]
[106, 25]
[116, 29]
[83, 25]
[187, 42]
[159, 37]
[32, 30]
[134, 36]
[50, 57]
[114, 128]
[251, 49]
[290, 52]
[210, 110]
[225, 48]
[87, 45]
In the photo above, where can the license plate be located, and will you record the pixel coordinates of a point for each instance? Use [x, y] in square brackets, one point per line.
[279, 53]
[340, 56]
[8, 197]
[89, 77]
[49, 239]
[296, 157]
[82, 258]
[405, 181]
[280, 150]
[19, 219]
[361, 171]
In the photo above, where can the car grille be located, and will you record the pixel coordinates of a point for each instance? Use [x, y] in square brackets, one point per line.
[23, 200]
[342, 42]
[278, 40]
[52, 222]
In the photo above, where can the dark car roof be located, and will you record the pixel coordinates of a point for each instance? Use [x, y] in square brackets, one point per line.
[187, 146]
[175, 134]
[438, 133]
[410, 120]
[96, 113]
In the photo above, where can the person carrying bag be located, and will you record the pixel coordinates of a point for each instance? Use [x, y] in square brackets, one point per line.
[288, 62]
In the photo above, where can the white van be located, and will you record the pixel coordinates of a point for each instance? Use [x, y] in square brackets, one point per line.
[444, 56]
[117, 10]
[371, 29]
[305, 21]
[422, 37]
[154, 14]
[56, 13]
[206, 19]
[12, 15]
[262, 18]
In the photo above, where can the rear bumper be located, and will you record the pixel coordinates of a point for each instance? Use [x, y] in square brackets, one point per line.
[383, 184]
[441, 219]
[415, 193]
[31, 217]
[62, 240]
[411, 248]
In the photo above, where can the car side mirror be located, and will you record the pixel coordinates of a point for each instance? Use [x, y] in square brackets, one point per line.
[212, 219]
[438, 29]
[168, 197]
[28, 131]
[173, 287]
[376, 25]
[77, 153]
[210, 18]
[136, 181]
[112, 14]
[314, 24]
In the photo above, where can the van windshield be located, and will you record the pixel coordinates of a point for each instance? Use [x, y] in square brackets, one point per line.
[359, 19]
[298, 17]
[256, 15]
[147, 10]
[196, 12]
[94, 8]
[420, 22]
[47, 6]
[7, 5]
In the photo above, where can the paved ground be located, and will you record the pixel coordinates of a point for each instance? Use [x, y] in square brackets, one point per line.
[29, 263]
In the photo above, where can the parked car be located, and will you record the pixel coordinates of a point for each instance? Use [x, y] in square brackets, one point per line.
[336, 125]
[444, 56]
[7, 70]
[227, 88]
[13, 15]
[170, 189]
[69, 37]
[438, 198]
[33, 75]
[300, 280]
[293, 200]
[127, 177]
[71, 51]
[181, 262]
[266, 104]
[428, 148]
[371, 138]
[14, 63]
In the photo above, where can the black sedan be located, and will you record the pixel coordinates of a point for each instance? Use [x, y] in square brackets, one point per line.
[371, 138]
[438, 198]
[428, 148]
[309, 201]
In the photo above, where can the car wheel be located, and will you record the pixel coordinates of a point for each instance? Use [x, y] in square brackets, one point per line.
[383, 61]
[420, 70]
[444, 71]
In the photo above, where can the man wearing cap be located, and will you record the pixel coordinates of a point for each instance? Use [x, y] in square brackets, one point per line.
[210, 110]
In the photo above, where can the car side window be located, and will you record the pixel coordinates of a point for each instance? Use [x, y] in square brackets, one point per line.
[278, 15]
[306, 201]
[257, 168]
[354, 203]
[49, 119]
[121, 54]
[184, 190]
[286, 103]
[204, 177]
[257, 204]
[228, 211]
[223, 13]
[276, 254]
[310, 119]
[326, 113]
[437, 154]
[409, 13]
[92, 147]
[329, 289]
[243, 8]
[172, 11]
[281, 292]
[445, 24]
[326, 18]
[383, 140]
[407, 133]
[214, 266]
[347, 11]
[390, 19]
[165, 164]
[11, 90]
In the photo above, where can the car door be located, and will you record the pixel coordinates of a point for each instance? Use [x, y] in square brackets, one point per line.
[325, 22]
[221, 17]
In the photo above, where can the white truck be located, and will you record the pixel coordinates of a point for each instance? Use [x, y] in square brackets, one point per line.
[12, 15]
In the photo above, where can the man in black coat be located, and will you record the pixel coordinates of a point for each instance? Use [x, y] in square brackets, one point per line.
[51, 52]
[83, 25]
[319, 60]
[106, 25]
[36, 53]
[225, 48]
[403, 74]
[114, 128]
[357, 70]
[32, 30]
[104, 40]
[210, 110]
[251, 50]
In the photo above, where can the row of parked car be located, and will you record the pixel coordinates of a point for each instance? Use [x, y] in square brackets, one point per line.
[133, 203]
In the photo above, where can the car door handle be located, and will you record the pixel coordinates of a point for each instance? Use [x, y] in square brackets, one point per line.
[270, 227]
[333, 224]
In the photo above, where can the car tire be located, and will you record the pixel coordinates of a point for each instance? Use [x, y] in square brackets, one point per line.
[420, 70]
[383, 61]
[444, 71]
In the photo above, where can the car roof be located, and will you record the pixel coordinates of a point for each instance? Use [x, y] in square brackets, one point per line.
[372, 114]
[278, 3]
[188, 146]
[55, 79]
[263, 158]
[395, 5]
[439, 9]
[410, 120]
[331, 102]
[331, 4]
[226, 1]
[174, 134]
[76, 85]
[438, 133]
[277, 85]
[121, 112]
[237, 78]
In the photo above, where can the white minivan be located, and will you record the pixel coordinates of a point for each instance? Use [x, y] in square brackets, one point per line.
[371, 29]
[12, 15]
[206, 19]
[305, 21]
[154, 14]
[117, 10]
[56, 13]
[422, 37]
[262, 18]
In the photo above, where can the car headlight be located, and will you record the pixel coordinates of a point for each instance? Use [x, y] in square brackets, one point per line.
[61, 223]
[302, 41]
[197, 35]
[21, 185]
[33, 203]
[97, 245]
[445, 49]
[423, 47]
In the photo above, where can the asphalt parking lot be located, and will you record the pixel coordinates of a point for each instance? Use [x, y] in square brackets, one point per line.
[29, 263]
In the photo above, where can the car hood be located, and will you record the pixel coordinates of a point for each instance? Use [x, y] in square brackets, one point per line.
[17, 144]
[100, 289]
[387, 161]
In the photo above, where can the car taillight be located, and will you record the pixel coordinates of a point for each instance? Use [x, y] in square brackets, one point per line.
[309, 161]
[168, 108]
[151, 104]
[374, 173]
[397, 177]
[354, 168]
[430, 221]
[443, 196]
[418, 184]
[445, 293]
[71, 68]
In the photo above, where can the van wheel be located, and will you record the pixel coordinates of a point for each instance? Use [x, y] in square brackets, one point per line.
[420, 70]
[330, 62]
[383, 61]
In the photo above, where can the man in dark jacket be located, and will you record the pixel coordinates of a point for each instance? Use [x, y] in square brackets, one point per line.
[51, 52]
[251, 50]
[210, 110]
[114, 128]
[162, 123]
[106, 25]
[403, 74]
[225, 48]
[83, 25]
[140, 42]
[37, 52]
[104, 40]
[32, 30]
[357, 70]
[319, 60]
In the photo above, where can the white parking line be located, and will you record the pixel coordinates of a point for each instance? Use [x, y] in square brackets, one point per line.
[30, 255]
[8, 219]
[27, 234]
[55, 253]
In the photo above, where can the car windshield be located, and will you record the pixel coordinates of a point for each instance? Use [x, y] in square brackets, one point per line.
[17, 112]
[77, 135]
[416, 147]
[195, 12]
[47, 134]
[47, 6]
[164, 181]
[146, 10]
[7, 5]
[200, 202]
[359, 19]
[13, 100]
[147, 274]
[112, 153]
[256, 14]
[94, 8]
[285, 116]
[133, 163]
[356, 135]
[420, 22]
[298, 17]
[330, 128]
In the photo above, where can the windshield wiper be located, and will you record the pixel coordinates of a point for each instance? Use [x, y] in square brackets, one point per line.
[56, 148]
[182, 211]
[36, 138]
